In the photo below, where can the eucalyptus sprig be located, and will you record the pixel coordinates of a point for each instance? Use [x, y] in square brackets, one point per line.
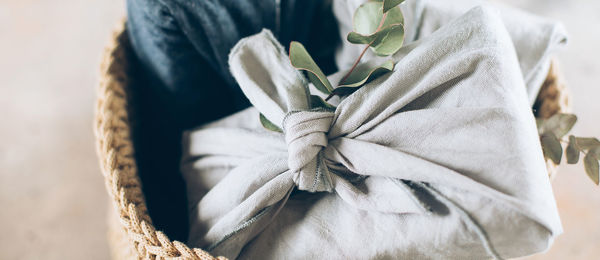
[379, 25]
[554, 129]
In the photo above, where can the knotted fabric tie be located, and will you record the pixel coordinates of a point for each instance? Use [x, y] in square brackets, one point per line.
[306, 138]
[445, 140]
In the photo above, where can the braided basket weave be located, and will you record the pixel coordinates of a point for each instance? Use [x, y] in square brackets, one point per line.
[131, 233]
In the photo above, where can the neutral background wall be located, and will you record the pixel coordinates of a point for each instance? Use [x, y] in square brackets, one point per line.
[52, 198]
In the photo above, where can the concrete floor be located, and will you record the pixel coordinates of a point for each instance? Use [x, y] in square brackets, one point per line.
[52, 197]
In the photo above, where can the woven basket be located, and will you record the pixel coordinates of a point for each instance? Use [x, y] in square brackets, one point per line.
[131, 232]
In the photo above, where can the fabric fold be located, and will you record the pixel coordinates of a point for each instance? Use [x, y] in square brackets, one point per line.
[438, 159]
[536, 39]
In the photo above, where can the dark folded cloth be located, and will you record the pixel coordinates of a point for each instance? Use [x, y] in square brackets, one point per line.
[181, 47]
[184, 44]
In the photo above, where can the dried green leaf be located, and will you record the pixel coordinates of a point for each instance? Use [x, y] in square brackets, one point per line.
[572, 151]
[590, 162]
[595, 151]
[357, 38]
[367, 18]
[390, 43]
[318, 83]
[389, 4]
[551, 147]
[362, 74]
[560, 124]
[365, 71]
[384, 38]
[268, 124]
[586, 143]
[301, 59]
[318, 102]
[539, 123]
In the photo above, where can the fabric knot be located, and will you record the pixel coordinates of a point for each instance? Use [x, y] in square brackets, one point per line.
[306, 137]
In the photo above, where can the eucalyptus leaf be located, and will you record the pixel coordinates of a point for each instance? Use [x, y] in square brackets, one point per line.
[586, 143]
[365, 71]
[539, 123]
[367, 17]
[387, 38]
[572, 151]
[301, 60]
[590, 162]
[596, 151]
[384, 33]
[389, 4]
[357, 38]
[560, 124]
[392, 17]
[390, 43]
[361, 75]
[318, 102]
[268, 124]
[318, 83]
[551, 147]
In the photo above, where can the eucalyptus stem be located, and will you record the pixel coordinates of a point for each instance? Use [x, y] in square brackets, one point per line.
[355, 63]
[351, 69]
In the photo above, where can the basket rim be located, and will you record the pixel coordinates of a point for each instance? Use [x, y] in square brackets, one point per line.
[116, 155]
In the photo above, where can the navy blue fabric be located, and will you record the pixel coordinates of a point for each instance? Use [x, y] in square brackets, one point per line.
[184, 44]
[183, 80]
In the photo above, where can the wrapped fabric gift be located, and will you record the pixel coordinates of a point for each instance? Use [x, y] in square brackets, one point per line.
[534, 38]
[439, 159]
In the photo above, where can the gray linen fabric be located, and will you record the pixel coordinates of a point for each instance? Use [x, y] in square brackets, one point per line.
[439, 159]
[535, 38]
